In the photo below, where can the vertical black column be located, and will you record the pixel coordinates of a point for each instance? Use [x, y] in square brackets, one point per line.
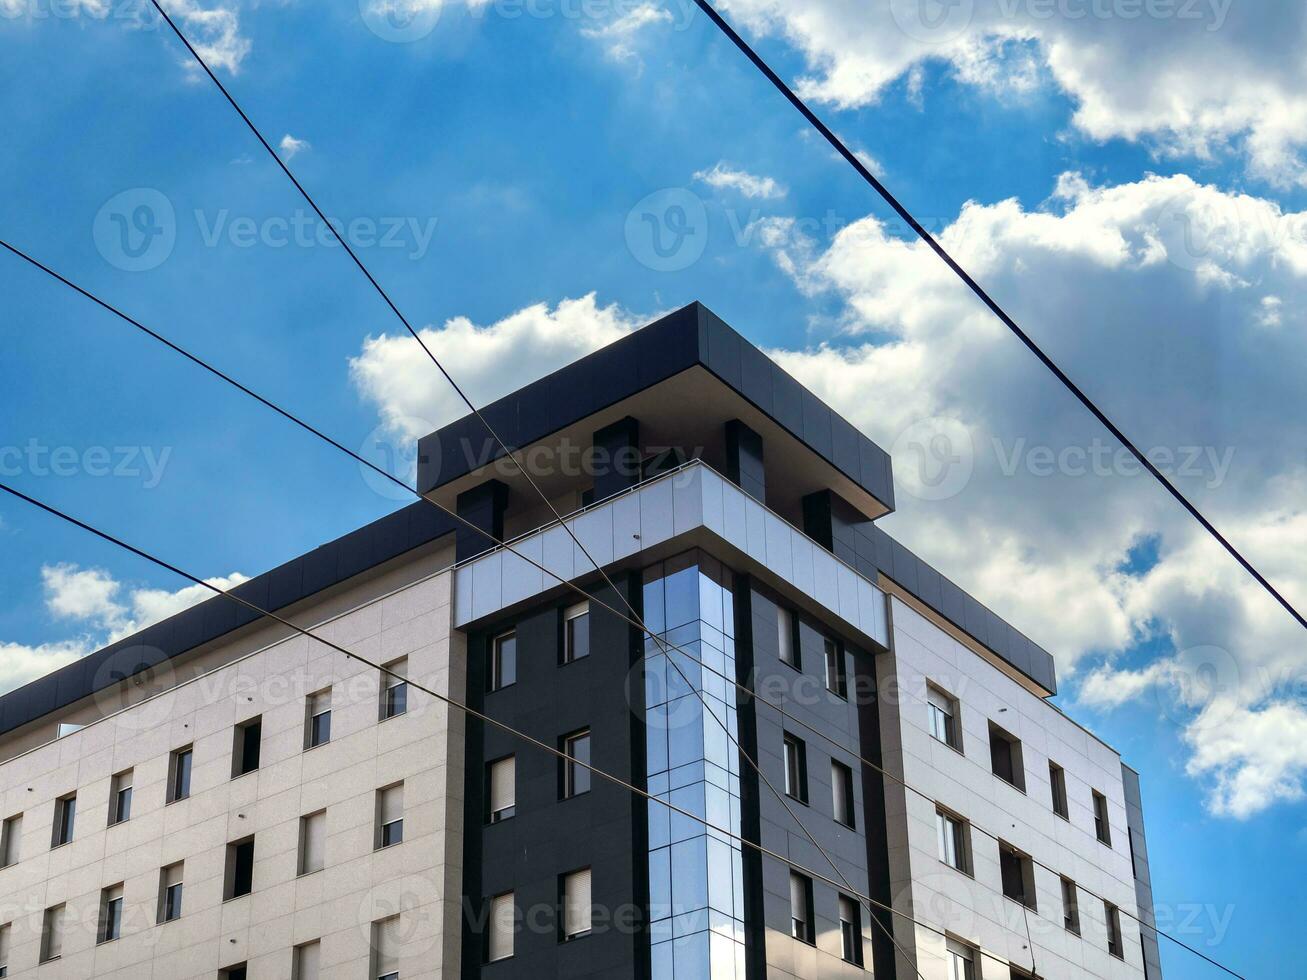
[830, 521]
[744, 460]
[483, 506]
[616, 457]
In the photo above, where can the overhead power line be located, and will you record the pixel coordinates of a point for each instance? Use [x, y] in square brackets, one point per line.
[993, 305]
[743, 689]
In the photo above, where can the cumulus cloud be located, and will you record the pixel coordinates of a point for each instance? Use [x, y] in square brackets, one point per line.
[412, 397]
[214, 32]
[102, 608]
[1186, 78]
[724, 177]
[1154, 295]
[290, 146]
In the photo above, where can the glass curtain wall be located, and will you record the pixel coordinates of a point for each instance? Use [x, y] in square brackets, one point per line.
[695, 874]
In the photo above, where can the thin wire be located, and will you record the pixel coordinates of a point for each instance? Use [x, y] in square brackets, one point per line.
[994, 307]
[450, 701]
[664, 644]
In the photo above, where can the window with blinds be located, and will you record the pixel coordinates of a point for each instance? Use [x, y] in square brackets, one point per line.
[52, 934]
[111, 914]
[10, 835]
[499, 928]
[317, 719]
[501, 783]
[801, 924]
[394, 689]
[120, 797]
[390, 815]
[313, 842]
[170, 892]
[943, 711]
[307, 961]
[841, 779]
[576, 904]
[787, 647]
[385, 948]
[4, 950]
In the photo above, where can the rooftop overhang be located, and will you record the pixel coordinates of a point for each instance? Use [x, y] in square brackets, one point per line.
[682, 378]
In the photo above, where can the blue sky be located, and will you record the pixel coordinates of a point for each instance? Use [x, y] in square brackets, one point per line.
[507, 159]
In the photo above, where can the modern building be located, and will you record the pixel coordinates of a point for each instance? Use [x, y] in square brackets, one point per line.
[221, 797]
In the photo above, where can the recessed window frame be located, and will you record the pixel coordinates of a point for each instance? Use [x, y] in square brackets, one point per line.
[238, 880]
[843, 801]
[1102, 818]
[953, 840]
[796, 768]
[834, 657]
[171, 892]
[1006, 759]
[390, 832]
[501, 927]
[120, 797]
[317, 719]
[247, 747]
[1115, 938]
[576, 633]
[312, 856]
[501, 665]
[575, 776]
[1057, 790]
[1070, 906]
[787, 638]
[52, 933]
[11, 837]
[181, 764]
[576, 899]
[65, 821]
[299, 960]
[383, 958]
[850, 916]
[803, 928]
[499, 774]
[110, 927]
[1017, 872]
[961, 959]
[393, 700]
[943, 716]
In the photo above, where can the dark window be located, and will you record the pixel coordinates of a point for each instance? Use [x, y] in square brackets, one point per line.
[503, 661]
[802, 927]
[65, 817]
[111, 914]
[179, 774]
[394, 689]
[1018, 875]
[576, 778]
[850, 930]
[240, 869]
[390, 815]
[1005, 757]
[1113, 917]
[10, 833]
[841, 777]
[1057, 782]
[246, 743]
[942, 709]
[836, 680]
[576, 633]
[120, 798]
[170, 893]
[501, 789]
[1070, 907]
[787, 638]
[1102, 825]
[796, 769]
[237, 972]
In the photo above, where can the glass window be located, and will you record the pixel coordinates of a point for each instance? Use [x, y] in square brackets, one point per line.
[1005, 757]
[1070, 907]
[111, 914]
[65, 818]
[307, 961]
[851, 930]
[576, 632]
[179, 774]
[1113, 918]
[500, 928]
[246, 742]
[503, 661]
[317, 722]
[1102, 824]
[951, 832]
[386, 943]
[11, 833]
[4, 950]
[787, 639]
[1018, 874]
[394, 689]
[1057, 785]
[961, 961]
[390, 815]
[501, 786]
[120, 797]
[796, 769]
[943, 712]
[576, 778]
[238, 879]
[836, 680]
[576, 904]
[170, 892]
[801, 924]
[841, 778]
[52, 934]
[313, 842]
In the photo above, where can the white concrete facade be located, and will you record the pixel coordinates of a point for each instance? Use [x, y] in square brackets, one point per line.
[418, 879]
[973, 908]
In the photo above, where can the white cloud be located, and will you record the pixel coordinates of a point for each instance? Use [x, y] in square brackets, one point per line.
[104, 608]
[620, 36]
[1154, 295]
[413, 398]
[214, 32]
[290, 146]
[1193, 79]
[724, 177]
